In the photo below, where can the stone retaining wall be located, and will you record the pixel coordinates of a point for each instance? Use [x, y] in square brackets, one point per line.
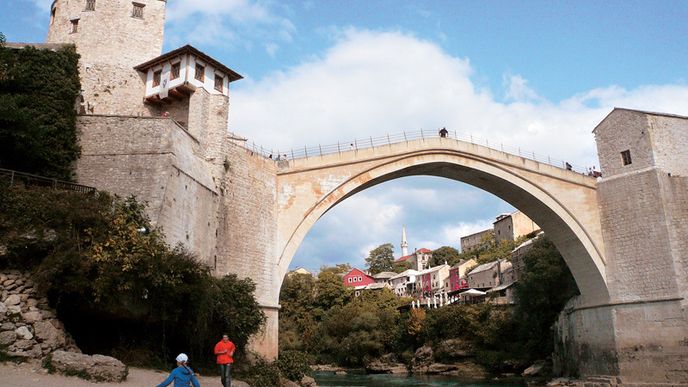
[29, 328]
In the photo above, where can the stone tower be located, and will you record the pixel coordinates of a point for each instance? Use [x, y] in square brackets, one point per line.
[112, 37]
[404, 243]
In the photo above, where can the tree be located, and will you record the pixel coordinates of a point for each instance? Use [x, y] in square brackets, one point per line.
[381, 259]
[444, 254]
[545, 286]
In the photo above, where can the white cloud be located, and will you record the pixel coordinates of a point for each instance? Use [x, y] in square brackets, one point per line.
[370, 83]
[244, 23]
[517, 88]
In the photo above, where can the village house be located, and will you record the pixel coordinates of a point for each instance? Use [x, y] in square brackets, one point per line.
[432, 280]
[299, 270]
[487, 275]
[518, 253]
[356, 277]
[418, 260]
[457, 275]
[404, 283]
[384, 277]
[476, 241]
[509, 227]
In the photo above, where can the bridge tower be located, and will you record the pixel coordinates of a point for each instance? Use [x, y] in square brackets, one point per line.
[641, 333]
[112, 37]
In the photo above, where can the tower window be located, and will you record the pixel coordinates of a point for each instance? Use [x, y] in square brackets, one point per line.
[626, 157]
[75, 25]
[200, 72]
[219, 80]
[137, 11]
[174, 71]
[156, 78]
[90, 5]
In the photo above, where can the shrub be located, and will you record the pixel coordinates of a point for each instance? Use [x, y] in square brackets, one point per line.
[262, 373]
[294, 365]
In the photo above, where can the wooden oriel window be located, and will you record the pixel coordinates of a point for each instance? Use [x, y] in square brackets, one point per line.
[156, 78]
[137, 11]
[90, 5]
[199, 74]
[75, 25]
[219, 82]
[626, 157]
[174, 70]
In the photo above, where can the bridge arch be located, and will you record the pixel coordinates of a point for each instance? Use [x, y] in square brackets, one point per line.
[562, 202]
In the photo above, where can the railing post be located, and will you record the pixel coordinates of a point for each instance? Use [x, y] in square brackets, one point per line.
[487, 143]
[471, 139]
[388, 142]
[54, 183]
[12, 179]
[502, 146]
[405, 139]
[371, 142]
[292, 153]
[534, 155]
[355, 145]
[519, 150]
[549, 160]
[422, 136]
[320, 148]
[305, 150]
[338, 149]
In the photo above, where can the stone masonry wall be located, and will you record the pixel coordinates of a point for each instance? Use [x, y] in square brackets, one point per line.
[29, 328]
[155, 160]
[110, 83]
[670, 140]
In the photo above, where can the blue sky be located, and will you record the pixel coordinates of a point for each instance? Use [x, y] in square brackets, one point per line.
[532, 74]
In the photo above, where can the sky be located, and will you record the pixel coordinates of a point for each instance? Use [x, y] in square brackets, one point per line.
[535, 75]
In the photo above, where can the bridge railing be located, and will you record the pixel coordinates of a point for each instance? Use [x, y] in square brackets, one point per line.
[14, 177]
[389, 139]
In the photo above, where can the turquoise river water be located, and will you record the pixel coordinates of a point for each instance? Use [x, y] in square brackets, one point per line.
[356, 379]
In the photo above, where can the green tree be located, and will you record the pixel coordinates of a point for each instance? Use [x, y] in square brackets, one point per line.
[444, 254]
[545, 286]
[38, 91]
[381, 259]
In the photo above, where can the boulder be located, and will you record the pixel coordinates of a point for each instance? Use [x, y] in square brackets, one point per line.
[7, 338]
[31, 317]
[453, 349]
[288, 383]
[463, 370]
[13, 299]
[423, 355]
[535, 369]
[308, 381]
[24, 333]
[380, 367]
[97, 367]
[48, 334]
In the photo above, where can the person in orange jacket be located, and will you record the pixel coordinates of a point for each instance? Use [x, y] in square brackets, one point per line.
[224, 350]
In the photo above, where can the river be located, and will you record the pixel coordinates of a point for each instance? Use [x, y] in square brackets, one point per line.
[353, 378]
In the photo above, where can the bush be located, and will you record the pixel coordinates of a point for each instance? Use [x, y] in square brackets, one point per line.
[262, 373]
[118, 289]
[294, 365]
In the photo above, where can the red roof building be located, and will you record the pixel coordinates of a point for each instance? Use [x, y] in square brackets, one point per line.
[418, 260]
[357, 277]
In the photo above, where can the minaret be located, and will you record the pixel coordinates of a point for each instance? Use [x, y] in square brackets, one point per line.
[404, 243]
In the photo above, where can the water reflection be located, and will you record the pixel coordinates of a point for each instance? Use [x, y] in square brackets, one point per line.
[356, 379]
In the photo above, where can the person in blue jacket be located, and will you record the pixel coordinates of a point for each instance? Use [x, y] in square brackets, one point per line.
[182, 376]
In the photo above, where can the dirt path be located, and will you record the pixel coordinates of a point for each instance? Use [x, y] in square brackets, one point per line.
[32, 375]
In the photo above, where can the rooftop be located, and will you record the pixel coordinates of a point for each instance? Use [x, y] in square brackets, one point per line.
[188, 49]
[639, 111]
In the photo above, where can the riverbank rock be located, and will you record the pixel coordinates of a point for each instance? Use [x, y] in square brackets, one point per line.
[464, 370]
[534, 370]
[308, 381]
[453, 349]
[97, 367]
[29, 328]
[381, 367]
[326, 368]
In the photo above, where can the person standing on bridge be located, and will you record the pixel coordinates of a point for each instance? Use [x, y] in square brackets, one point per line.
[224, 350]
[444, 132]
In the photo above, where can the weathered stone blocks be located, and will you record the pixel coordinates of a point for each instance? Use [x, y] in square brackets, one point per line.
[97, 367]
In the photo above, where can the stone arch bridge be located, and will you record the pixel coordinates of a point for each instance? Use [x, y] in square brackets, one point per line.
[624, 236]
